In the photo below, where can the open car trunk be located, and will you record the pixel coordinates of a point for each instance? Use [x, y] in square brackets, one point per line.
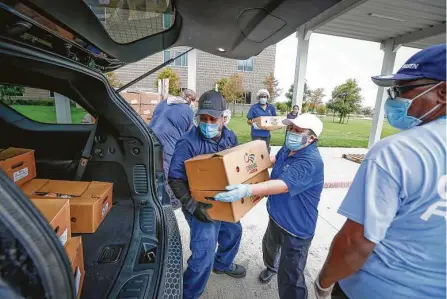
[128, 255]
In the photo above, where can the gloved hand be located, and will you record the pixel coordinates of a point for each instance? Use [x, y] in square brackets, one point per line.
[320, 292]
[255, 126]
[201, 212]
[235, 192]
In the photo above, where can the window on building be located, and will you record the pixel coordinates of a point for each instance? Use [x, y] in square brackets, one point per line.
[167, 20]
[166, 55]
[245, 65]
[247, 97]
[182, 61]
[36, 105]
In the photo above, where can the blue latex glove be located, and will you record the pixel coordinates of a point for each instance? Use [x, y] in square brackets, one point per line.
[255, 126]
[235, 192]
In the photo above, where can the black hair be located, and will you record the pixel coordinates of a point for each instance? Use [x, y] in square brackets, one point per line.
[296, 106]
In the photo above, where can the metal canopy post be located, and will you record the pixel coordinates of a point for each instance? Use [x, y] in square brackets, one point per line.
[390, 50]
[63, 109]
[303, 37]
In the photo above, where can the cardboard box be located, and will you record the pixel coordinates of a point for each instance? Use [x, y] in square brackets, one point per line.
[132, 98]
[232, 166]
[234, 211]
[270, 123]
[149, 98]
[90, 202]
[76, 257]
[147, 109]
[19, 164]
[57, 213]
[136, 108]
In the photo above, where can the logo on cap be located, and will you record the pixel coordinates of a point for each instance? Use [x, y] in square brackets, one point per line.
[413, 66]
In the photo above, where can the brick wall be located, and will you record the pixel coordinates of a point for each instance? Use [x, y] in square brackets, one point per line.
[210, 68]
[35, 93]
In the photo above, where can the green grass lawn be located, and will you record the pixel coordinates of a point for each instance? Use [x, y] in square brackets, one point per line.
[47, 114]
[353, 134]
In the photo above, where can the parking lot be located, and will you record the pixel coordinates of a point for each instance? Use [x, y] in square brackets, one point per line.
[337, 170]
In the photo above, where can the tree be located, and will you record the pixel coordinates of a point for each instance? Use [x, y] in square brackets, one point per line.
[283, 107]
[321, 109]
[7, 91]
[221, 83]
[233, 89]
[271, 84]
[367, 111]
[174, 82]
[306, 95]
[315, 99]
[346, 99]
[113, 80]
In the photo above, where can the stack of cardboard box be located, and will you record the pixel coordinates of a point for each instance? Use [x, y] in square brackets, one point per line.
[142, 102]
[68, 206]
[210, 174]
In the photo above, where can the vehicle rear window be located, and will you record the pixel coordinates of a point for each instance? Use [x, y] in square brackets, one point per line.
[129, 20]
[43, 105]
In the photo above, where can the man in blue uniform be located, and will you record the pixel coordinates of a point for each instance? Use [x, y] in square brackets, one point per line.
[211, 136]
[393, 243]
[171, 119]
[262, 108]
[294, 188]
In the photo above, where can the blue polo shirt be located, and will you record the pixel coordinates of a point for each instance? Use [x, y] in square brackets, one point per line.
[399, 196]
[303, 172]
[193, 144]
[170, 122]
[256, 111]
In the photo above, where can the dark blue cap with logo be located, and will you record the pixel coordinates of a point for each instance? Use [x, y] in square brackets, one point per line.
[425, 64]
[212, 103]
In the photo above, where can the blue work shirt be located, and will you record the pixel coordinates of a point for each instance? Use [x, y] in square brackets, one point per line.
[303, 172]
[193, 144]
[399, 196]
[256, 111]
[169, 123]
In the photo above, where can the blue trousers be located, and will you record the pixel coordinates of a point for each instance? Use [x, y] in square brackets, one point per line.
[286, 255]
[204, 238]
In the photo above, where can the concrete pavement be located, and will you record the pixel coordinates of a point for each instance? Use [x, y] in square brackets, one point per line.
[255, 223]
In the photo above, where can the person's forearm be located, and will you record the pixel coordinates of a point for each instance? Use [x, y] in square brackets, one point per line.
[271, 187]
[349, 251]
[273, 159]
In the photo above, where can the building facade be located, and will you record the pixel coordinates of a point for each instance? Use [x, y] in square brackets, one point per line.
[200, 71]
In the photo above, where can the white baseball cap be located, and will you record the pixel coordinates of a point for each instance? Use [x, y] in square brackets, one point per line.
[306, 121]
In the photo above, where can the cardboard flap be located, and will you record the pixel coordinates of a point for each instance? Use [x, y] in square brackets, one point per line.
[240, 147]
[12, 152]
[73, 246]
[200, 157]
[73, 188]
[33, 186]
[49, 207]
[97, 189]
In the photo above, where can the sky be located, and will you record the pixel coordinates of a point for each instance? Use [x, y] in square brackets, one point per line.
[332, 60]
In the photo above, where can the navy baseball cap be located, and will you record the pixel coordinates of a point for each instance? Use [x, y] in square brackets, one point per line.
[212, 103]
[425, 64]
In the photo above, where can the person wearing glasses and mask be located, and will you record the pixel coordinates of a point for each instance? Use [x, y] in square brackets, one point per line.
[294, 193]
[262, 108]
[210, 136]
[393, 243]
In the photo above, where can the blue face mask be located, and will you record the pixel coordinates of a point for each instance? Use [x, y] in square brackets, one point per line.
[295, 141]
[396, 110]
[209, 130]
[262, 101]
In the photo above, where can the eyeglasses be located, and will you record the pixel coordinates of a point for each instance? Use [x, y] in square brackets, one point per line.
[396, 91]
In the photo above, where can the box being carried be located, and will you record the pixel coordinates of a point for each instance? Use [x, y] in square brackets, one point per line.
[90, 202]
[76, 257]
[210, 174]
[270, 123]
[18, 163]
[57, 213]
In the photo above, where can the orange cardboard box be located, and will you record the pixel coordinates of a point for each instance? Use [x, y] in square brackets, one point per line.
[147, 109]
[57, 213]
[232, 166]
[270, 123]
[231, 211]
[149, 98]
[18, 163]
[132, 98]
[76, 257]
[90, 202]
